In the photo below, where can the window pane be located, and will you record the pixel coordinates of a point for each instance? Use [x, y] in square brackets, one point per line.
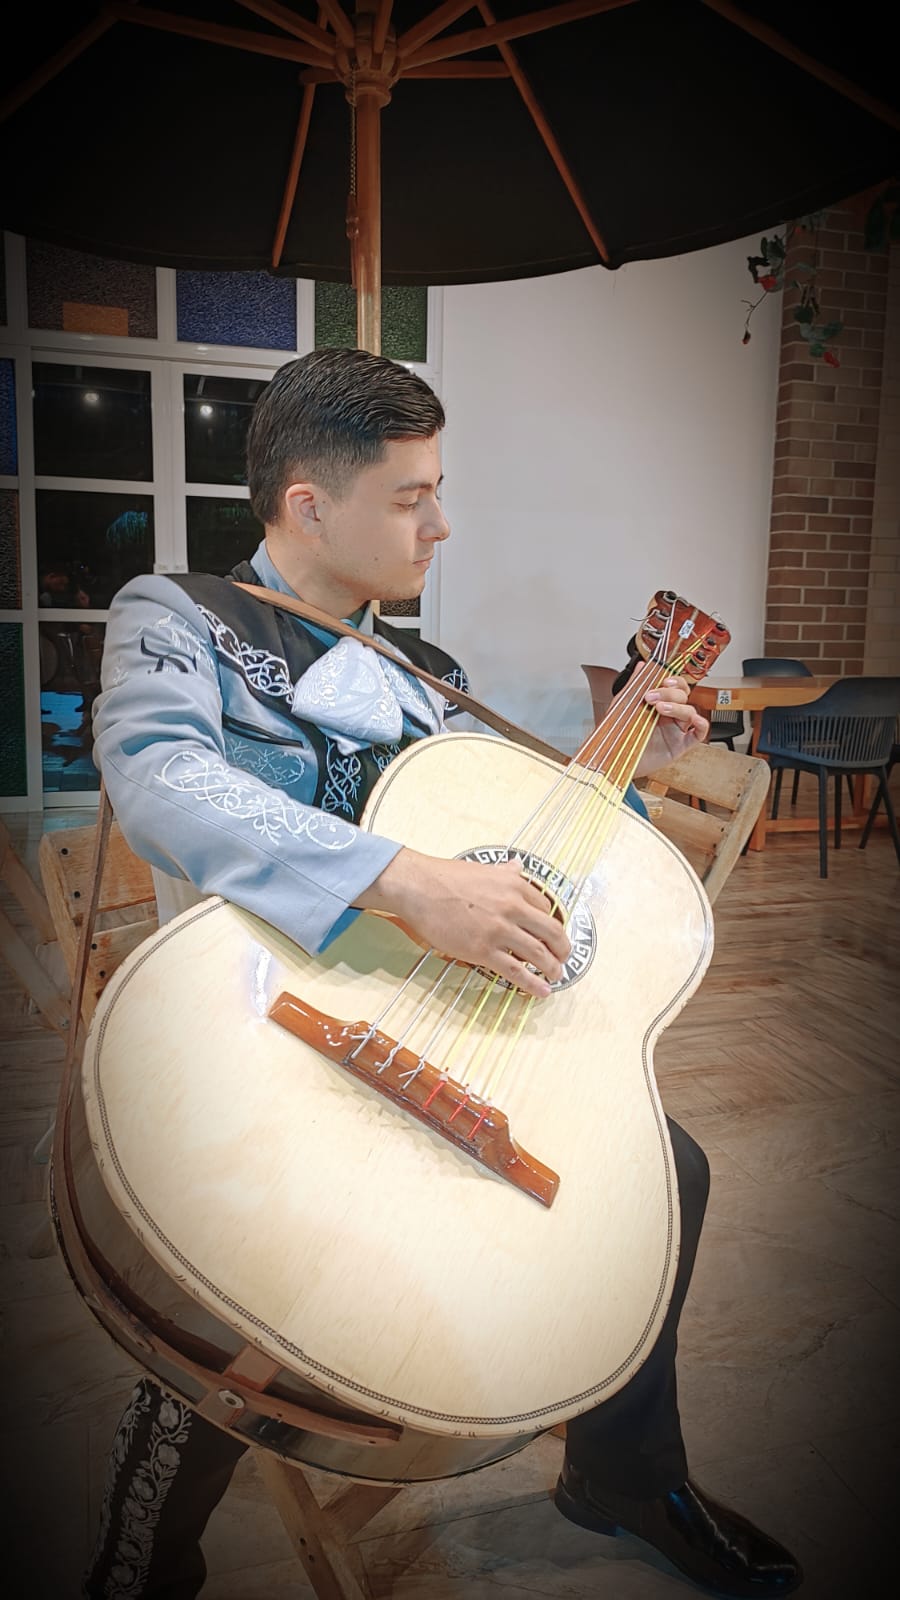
[248, 308]
[89, 294]
[217, 414]
[92, 422]
[404, 319]
[220, 533]
[70, 683]
[10, 561]
[90, 544]
[9, 447]
[13, 773]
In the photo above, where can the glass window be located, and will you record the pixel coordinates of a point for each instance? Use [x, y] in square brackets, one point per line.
[89, 544]
[9, 447]
[88, 294]
[13, 772]
[246, 308]
[217, 414]
[10, 559]
[92, 422]
[70, 683]
[220, 533]
[404, 319]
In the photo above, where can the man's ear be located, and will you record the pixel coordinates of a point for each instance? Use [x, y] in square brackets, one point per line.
[301, 504]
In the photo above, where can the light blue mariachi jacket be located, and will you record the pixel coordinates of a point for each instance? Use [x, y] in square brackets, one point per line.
[229, 814]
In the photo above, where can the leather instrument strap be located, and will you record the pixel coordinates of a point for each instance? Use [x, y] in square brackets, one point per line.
[459, 697]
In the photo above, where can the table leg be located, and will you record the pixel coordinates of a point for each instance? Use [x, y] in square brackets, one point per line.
[758, 836]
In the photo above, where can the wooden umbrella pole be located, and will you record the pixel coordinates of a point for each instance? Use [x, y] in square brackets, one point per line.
[369, 70]
[368, 219]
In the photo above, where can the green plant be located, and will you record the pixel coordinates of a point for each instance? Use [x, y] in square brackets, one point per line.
[767, 271]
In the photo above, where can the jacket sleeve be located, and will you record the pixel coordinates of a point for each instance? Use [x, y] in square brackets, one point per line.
[159, 744]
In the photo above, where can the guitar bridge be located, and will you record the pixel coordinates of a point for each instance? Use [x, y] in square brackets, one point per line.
[459, 1116]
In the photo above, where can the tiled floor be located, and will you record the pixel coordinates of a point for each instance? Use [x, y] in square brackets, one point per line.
[784, 1066]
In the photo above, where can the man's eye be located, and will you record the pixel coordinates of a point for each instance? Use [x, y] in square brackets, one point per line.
[407, 505]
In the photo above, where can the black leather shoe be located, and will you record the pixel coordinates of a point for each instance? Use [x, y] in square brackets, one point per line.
[715, 1547]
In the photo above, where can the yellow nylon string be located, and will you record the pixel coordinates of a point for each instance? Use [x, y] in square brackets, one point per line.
[627, 760]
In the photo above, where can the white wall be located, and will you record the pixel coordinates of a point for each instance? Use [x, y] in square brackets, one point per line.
[608, 435]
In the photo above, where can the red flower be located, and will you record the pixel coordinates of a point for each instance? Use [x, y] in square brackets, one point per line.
[769, 282]
[830, 359]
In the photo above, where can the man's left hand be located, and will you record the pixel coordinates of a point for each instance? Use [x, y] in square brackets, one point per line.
[679, 728]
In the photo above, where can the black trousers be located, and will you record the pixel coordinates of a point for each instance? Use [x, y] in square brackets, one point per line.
[168, 1468]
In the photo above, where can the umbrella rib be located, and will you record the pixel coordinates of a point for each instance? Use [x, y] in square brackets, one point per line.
[293, 176]
[459, 69]
[56, 64]
[457, 44]
[546, 132]
[309, 32]
[263, 44]
[816, 69]
[434, 23]
[340, 22]
[381, 25]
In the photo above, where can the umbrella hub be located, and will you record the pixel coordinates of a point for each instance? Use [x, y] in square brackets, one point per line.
[362, 68]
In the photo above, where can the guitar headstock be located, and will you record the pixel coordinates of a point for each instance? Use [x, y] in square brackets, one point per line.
[676, 633]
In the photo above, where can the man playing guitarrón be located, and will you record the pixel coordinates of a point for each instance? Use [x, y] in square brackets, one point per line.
[238, 745]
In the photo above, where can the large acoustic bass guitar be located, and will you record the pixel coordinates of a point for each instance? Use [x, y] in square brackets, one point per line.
[376, 1209]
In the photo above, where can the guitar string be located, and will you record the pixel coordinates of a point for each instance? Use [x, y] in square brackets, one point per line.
[628, 760]
[511, 993]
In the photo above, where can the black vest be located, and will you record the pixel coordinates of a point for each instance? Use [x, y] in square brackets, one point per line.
[344, 782]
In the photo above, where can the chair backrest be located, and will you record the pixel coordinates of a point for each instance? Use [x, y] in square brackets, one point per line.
[600, 682]
[853, 725]
[735, 785]
[126, 910]
[775, 667]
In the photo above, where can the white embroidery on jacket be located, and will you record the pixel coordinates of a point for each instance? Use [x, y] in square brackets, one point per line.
[267, 673]
[343, 775]
[191, 773]
[281, 768]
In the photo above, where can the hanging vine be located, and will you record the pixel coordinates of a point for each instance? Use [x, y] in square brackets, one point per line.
[767, 271]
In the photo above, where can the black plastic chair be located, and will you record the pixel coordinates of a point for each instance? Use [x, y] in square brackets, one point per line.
[849, 730]
[777, 667]
[893, 758]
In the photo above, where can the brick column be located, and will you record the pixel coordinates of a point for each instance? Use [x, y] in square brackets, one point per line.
[882, 647]
[826, 443]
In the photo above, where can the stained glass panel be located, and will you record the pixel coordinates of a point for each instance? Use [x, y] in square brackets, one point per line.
[70, 683]
[220, 533]
[81, 293]
[13, 771]
[92, 422]
[89, 544]
[217, 414]
[245, 308]
[9, 446]
[404, 319]
[10, 556]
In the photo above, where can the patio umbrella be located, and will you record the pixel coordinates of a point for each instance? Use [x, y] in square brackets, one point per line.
[491, 140]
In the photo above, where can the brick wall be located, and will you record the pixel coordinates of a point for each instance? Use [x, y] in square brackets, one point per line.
[882, 645]
[826, 444]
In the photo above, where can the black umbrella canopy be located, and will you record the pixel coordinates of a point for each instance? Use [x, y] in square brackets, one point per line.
[618, 131]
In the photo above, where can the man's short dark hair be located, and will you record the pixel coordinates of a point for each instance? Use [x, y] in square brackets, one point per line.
[326, 416]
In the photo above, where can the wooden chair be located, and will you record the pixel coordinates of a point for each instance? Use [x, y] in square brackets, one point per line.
[125, 915]
[126, 907]
[25, 956]
[712, 840]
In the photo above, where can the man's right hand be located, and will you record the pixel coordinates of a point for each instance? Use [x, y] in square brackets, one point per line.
[486, 916]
